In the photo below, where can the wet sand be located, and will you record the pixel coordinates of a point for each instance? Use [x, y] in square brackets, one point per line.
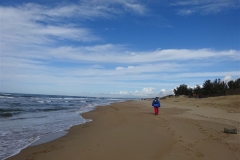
[185, 129]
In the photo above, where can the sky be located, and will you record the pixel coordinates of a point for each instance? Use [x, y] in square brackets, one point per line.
[117, 48]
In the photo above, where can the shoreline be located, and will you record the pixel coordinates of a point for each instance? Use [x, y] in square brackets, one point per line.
[49, 137]
[127, 130]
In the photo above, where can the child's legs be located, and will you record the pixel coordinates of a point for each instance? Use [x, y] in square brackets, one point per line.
[155, 110]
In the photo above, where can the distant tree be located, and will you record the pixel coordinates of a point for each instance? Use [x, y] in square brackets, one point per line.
[197, 90]
[218, 86]
[190, 91]
[215, 87]
[231, 84]
[207, 85]
[234, 84]
[237, 83]
[223, 87]
[182, 90]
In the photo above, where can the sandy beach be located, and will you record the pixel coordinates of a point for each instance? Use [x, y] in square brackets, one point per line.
[185, 129]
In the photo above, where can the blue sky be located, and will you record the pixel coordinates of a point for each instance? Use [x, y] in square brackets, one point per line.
[117, 48]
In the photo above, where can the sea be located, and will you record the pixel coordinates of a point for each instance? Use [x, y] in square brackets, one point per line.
[25, 118]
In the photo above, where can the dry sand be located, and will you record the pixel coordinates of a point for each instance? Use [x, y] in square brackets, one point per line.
[185, 129]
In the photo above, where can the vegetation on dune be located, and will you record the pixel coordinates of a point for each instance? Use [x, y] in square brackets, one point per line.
[216, 87]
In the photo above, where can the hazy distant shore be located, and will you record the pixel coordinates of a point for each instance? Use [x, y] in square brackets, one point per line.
[187, 128]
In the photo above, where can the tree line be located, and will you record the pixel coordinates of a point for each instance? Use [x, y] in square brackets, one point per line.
[208, 88]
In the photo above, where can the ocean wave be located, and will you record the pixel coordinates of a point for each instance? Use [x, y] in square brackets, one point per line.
[6, 97]
[2, 110]
[20, 118]
[53, 109]
[70, 98]
[10, 112]
[55, 98]
[16, 104]
[7, 114]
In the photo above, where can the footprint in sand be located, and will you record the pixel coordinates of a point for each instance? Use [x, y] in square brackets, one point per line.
[190, 145]
[187, 149]
[199, 155]
[169, 129]
[180, 139]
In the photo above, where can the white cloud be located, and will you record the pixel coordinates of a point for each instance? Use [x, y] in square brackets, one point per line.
[32, 24]
[145, 91]
[123, 93]
[206, 6]
[117, 54]
[148, 92]
[33, 52]
[227, 78]
[209, 74]
[121, 5]
[22, 27]
[119, 68]
[186, 12]
[26, 68]
[165, 92]
[137, 8]
[29, 30]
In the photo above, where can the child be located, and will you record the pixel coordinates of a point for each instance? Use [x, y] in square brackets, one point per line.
[156, 104]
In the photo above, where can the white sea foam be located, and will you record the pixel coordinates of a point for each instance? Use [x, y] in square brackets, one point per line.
[3, 133]
[6, 97]
[55, 98]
